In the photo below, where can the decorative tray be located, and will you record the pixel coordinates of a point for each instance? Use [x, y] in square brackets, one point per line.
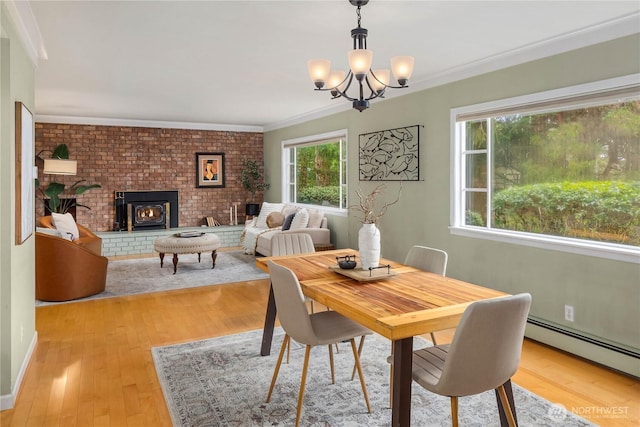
[189, 234]
[365, 275]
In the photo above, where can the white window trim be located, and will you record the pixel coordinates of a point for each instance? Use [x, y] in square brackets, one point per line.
[564, 244]
[286, 196]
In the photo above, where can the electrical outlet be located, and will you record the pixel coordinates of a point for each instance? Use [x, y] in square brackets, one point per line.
[568, 313]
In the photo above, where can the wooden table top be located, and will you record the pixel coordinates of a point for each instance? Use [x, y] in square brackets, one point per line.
[413, 302]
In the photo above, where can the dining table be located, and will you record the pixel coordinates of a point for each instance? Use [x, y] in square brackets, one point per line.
[396, 301]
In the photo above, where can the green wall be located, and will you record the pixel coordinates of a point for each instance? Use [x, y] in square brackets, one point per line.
[605, 293]
[17, 270]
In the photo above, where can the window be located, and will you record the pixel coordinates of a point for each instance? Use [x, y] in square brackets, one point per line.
[555, 169]
[315, 170]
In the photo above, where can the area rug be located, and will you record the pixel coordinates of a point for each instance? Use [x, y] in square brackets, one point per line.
[224, 382]
[143, 275]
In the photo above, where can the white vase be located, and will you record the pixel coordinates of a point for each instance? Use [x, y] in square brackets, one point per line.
[369, 246]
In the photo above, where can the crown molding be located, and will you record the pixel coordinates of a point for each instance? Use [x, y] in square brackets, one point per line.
[27, 28]
[606, 31]
[98, 121]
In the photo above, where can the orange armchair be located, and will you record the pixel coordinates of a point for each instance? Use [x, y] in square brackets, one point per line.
[87, 238]
[66, 270]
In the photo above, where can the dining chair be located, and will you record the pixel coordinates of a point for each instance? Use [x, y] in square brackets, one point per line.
[293, 244]
[484, 354]
[426, 259]
[322, 328]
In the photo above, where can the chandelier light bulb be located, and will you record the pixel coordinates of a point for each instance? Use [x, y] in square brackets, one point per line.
[319, 71]
[402, 67]
[360, 62]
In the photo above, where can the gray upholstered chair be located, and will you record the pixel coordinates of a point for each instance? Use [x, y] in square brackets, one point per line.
[323, 328]
[428, 259]
[484, 354]
[291, 244]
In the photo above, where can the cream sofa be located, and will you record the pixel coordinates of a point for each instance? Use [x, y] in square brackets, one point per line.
[257, 235]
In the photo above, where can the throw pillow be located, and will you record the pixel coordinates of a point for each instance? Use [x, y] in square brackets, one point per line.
[289, 209]
[266, 209]
[286, 225]
[300, 220]
[315, 218]
[275, 219]
[66, 225]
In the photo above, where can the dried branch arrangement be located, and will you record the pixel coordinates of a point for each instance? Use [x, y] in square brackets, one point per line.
[367, 204]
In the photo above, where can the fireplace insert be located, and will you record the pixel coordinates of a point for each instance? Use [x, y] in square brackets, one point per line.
[146, 210]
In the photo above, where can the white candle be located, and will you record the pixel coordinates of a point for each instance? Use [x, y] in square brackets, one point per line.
[235, 214]
[230, 216]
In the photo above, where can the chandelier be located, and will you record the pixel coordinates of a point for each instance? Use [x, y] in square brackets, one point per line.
[375, 82]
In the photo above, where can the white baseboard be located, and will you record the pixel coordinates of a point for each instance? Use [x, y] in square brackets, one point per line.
[8, 400]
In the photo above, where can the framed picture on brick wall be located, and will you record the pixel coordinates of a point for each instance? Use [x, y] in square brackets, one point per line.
[209, 170]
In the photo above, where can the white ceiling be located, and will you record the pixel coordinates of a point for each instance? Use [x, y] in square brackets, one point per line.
[243, 63]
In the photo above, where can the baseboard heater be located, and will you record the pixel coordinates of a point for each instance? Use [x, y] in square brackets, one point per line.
[585, 338]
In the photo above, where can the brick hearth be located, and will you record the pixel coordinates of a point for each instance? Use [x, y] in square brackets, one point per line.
[120, 243]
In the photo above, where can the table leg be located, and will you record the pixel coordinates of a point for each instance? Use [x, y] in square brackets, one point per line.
[161, 259]
[269, 323]
[402, 379]
[214, 255]
[175, 263]
[198, 256]
[503, 415]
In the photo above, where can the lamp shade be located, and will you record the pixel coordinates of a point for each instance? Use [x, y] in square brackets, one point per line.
[402, 68]
[60, 167]
[319, 71]
[360, 62]
[335, 79]
[381, 79]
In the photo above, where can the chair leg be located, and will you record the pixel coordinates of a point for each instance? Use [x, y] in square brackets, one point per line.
[454, 411]
[507, 408]
[288, 350]
[433, 338]
[303, 381]
[285, 343]
[333, 372]
[312, 307]
[353, 373]
[359, 366]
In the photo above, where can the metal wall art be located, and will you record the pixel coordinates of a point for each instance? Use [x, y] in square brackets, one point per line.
[390, 155]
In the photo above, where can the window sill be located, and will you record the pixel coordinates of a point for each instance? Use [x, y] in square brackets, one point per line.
[564, 244]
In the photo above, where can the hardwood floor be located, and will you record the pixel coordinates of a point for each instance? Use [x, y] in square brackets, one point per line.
[93, 364]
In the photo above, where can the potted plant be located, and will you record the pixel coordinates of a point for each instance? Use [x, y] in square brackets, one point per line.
[252, 181]
[57, 196]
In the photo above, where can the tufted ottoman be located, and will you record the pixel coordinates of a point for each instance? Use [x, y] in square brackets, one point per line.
[187, 243]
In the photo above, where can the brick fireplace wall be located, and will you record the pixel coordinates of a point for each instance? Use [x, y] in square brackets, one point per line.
[123, 158]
